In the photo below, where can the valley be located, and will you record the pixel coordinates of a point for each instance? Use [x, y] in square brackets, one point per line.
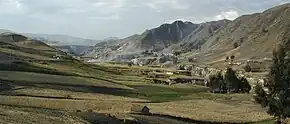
[178, 73]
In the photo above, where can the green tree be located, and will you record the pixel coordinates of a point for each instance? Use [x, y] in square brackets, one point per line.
[277, 98]
[233, 57]
[231, 80]
[244, 85]
[216, 82]
[236, 45]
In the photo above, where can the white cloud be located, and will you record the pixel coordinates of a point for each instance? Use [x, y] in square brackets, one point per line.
[231, 15]
[87, 17]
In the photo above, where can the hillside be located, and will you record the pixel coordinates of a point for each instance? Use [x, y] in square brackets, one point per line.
[16, 47]
[166, 35]
[247, 37]
[165, 38]
[65, 92]
[199, 36]
[255, 36]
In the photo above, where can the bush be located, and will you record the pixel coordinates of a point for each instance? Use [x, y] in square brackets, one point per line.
[230, 83]
[233, 57]
[216, 83]
[227, 58]
[247, 68]
[190, 59]
[181, 67]
[163, 59]
[68, 57]
[236, 45]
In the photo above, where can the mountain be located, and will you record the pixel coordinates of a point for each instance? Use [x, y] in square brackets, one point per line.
[159, 39]
[61, 40]
[199, 35]
[248, 37]
[166, 35]
[15, 47]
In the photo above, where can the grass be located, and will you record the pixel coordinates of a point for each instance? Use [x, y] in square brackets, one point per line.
[114, 89]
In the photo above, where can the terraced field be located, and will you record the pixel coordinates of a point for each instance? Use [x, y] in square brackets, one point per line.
[74, 92]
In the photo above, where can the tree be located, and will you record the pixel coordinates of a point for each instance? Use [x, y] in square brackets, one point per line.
[177, 53]
[244, 85]
[236, 45]
[247, 68]
[233, 57]
[227, 58]
[231, 80]
[277, 98]
[216, 82]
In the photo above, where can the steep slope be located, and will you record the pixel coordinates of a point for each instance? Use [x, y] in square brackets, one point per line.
[200, 35]
[163, 39]
[166, 35]
[249, 36]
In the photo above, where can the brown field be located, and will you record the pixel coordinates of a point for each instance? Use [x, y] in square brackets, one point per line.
[88, 93]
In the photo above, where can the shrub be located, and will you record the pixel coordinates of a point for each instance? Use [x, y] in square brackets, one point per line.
[227, 58]
[68, 96]
[190, 59]
[163, 59]
[181, 67]
[232, 57]
[68, 57]
[236, 45]
[247, 68]
[216, 82]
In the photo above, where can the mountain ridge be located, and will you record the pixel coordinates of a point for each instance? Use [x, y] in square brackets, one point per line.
[248, 36]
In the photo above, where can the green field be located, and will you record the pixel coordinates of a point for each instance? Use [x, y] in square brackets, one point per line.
[68, 86]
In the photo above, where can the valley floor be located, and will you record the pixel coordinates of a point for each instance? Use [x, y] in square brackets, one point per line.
[73, 92]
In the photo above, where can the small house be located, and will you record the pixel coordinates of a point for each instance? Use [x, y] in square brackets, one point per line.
[145, 110]
[140, 110]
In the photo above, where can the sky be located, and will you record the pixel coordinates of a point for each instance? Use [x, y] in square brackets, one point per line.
[100, 19]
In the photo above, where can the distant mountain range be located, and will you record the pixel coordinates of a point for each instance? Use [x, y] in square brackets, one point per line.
[163, 39]
[247, 37]
[61, 40]
[70, 44]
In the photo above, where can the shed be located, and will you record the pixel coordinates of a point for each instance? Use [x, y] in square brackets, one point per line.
[140, 110]
[145, 110]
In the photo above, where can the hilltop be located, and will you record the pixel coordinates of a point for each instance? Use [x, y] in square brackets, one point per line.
[167, 37]
[18, 47]
[254, 35]
[247, 37]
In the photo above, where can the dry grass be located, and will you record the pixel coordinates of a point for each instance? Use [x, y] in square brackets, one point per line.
[211, 110]
[15, 115]
[177, 100]
[118, 105]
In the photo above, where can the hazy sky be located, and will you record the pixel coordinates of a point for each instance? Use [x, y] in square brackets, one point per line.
[99, 19]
